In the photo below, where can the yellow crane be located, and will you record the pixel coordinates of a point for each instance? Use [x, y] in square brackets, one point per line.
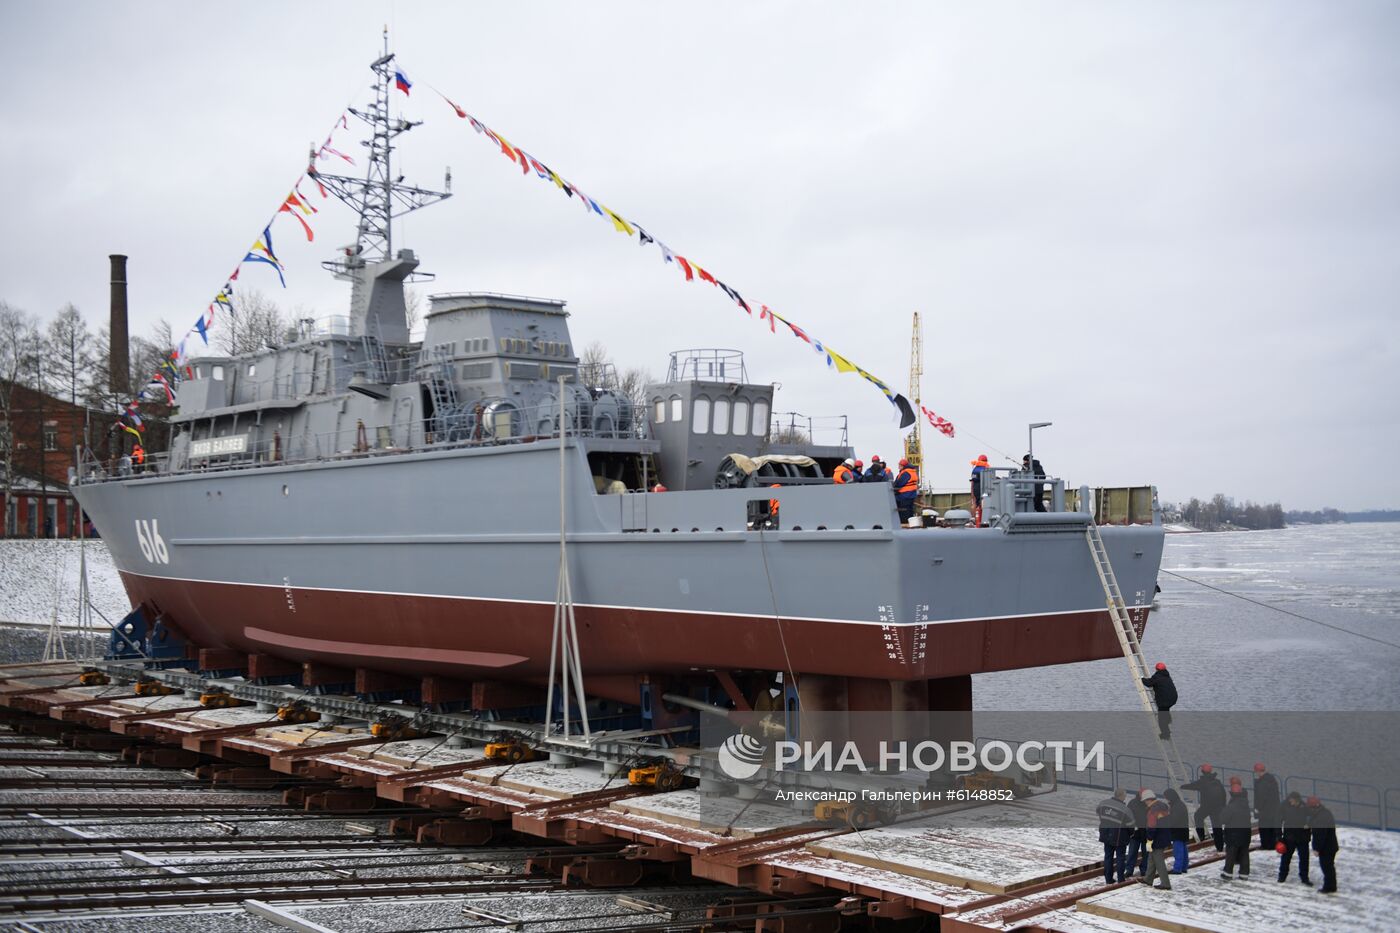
[914, 444]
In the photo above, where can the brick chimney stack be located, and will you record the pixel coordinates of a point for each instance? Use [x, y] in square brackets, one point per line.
[120, 378]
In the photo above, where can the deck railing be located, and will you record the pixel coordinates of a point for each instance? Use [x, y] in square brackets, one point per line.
[489, 423]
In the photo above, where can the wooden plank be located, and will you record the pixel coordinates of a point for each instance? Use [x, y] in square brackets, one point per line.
[1127, 915]
[993, 860]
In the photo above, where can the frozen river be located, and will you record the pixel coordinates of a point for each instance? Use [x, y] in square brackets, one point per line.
[1227, 654]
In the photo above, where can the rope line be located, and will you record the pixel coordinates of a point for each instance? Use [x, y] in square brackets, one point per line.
[1287, 612]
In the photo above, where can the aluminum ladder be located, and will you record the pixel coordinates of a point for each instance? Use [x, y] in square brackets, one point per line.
[1177, 773]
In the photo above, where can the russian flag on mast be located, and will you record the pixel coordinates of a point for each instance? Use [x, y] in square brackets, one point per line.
[401, 80]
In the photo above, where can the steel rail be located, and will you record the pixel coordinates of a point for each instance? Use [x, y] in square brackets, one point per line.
[301, 890]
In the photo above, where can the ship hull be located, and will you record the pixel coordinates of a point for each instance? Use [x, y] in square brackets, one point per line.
[465, 637]
[447, 563]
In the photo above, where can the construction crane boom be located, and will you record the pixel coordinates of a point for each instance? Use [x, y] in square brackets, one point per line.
[913, 443]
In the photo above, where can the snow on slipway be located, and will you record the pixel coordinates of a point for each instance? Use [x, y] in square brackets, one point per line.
[37, 574]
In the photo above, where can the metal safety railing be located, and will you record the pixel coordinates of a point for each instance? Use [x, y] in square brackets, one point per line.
[790, 427]
[1357, 804]
[490, 422]
[707, 365]
[1351, 802]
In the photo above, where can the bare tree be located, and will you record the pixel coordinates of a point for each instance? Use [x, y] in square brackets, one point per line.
[256, 323]
[594, 356]
[19, 361]
[412, 307]
[633, 385]
[69, 348]
[790, 434]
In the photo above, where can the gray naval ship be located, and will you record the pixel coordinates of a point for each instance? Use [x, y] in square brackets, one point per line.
[364, 501]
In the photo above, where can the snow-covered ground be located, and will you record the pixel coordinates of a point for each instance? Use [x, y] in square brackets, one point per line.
[39, 575]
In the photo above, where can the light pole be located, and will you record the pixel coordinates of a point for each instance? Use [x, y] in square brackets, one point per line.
[1030, 441]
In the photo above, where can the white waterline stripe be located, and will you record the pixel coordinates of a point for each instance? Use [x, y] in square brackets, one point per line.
[698, 612]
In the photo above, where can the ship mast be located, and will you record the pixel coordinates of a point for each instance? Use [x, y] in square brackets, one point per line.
[379, 197]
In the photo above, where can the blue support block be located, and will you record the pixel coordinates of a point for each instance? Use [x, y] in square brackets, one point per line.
[128, 637]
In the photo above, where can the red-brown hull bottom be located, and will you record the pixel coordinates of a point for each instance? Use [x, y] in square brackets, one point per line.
[498, 640]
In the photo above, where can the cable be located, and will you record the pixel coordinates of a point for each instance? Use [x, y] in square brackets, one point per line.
[777, 617]
[993, 447]
[1287, 612]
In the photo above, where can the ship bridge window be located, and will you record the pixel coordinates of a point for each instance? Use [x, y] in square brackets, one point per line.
[760, 418]
[676, 408]
[660, 414]
[252, 369]
[741, 416]
[700, 416]
[721, 416]
[218, 372]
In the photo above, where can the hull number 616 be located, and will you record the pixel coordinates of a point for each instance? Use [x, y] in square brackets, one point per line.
[152, 544]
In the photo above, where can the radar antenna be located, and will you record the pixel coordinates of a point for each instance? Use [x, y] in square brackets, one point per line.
[378, 197]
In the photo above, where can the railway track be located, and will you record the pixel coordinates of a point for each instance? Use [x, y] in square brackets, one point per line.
[128, 848]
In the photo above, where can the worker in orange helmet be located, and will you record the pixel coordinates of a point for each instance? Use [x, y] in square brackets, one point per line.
[878, 472]
[1212, 797]
[906, 490]
[858, 472]
[658, 488]
[979, 466]
[1164, 694]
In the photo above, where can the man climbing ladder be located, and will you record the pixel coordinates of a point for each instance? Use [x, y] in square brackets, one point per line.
[1132, 652]
[1164, 695]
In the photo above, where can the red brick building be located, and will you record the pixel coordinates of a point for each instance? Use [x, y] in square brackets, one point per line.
[38, 436]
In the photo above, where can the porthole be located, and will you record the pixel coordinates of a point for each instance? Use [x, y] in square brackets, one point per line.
[285, 490]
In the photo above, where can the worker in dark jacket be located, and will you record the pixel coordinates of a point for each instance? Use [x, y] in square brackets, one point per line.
[1239, 831]
[1293, 818]
[1266, 806]
[1115, 829]
[1212, 802]
[1181, 831]
[1137, 842]
[1164, 695]
[1159, 833]
[1324, 842]
[878, 472]
[906, 490]
[1033, 467]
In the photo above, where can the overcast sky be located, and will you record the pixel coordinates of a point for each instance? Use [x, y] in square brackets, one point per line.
[1172, 229]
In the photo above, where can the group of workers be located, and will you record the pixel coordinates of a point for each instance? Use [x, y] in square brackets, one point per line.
[906, 481]
[1127, 827]
[1288, 826]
